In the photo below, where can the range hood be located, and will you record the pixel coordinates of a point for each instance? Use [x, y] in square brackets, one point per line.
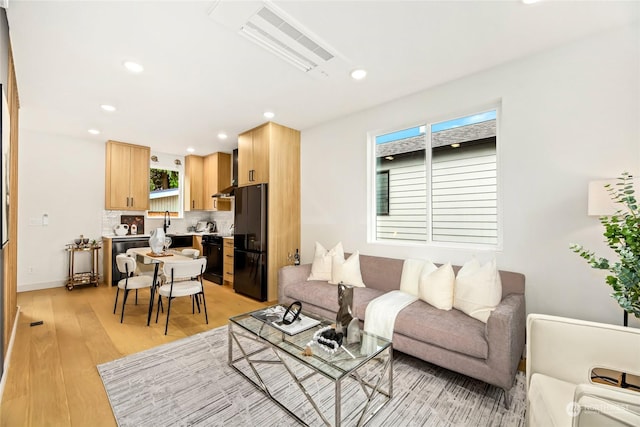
[230, 191]
[227, 192]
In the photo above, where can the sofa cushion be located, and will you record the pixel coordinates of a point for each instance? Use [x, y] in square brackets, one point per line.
[321, 266]
[346, 271]
[320, 294]
[316, 291]
[436, 285]
[549, 399]
[410, 279]
[478, 289]
[452, 330]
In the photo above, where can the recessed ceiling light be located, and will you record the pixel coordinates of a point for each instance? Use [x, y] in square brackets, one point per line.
[134, 67]
[107, 107]
[222, 135]
[530, 1]
[455, 145]
[269, 115]
[94, 131]
[358, 74]
[191, 149]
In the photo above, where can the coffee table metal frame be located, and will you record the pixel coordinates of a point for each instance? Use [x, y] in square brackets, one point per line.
[335, 368]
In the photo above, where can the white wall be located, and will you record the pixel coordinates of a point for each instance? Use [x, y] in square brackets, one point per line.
[63, 178]
[569, 116]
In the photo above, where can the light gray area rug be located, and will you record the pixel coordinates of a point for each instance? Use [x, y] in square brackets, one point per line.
[187, 382]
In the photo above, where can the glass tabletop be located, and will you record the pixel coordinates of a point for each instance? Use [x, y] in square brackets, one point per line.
[335, 365]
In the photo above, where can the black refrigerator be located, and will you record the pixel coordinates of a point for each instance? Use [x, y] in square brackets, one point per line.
[250, 242]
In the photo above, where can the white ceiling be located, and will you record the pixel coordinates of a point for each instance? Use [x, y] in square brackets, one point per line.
[202, 78]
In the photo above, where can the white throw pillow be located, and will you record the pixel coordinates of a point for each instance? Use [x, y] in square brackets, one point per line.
[321, 266]
[478, 289]
[346, 271]
[411, 270]
[436, 285]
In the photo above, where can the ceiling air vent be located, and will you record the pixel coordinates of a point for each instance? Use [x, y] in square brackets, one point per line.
[266, 25]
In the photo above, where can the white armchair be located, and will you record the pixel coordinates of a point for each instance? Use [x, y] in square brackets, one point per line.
[561, 354]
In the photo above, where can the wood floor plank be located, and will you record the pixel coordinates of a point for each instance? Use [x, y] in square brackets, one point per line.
[52, 377]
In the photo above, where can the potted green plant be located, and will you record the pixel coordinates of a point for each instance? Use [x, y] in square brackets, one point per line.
[622, 233]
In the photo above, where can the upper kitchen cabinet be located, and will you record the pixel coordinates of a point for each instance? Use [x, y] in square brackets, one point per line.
[217, 177]
[193, 183]
[253, 155]
[127, 176]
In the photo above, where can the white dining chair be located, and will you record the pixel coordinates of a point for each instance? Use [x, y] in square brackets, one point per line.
[195, 253]
[127, 267]
[183, 278]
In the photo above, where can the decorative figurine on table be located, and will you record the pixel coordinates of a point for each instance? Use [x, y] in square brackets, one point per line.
[346, 323]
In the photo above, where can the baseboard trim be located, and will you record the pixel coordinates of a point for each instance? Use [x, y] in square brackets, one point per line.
[41, 286]
[7, 359]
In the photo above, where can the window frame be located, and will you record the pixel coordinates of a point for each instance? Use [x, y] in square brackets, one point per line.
[180, 170]
[429, 242]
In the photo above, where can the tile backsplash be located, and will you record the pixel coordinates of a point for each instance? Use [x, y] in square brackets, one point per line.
[223, 220]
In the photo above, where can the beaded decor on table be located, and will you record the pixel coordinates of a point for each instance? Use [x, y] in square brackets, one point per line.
[327, 339]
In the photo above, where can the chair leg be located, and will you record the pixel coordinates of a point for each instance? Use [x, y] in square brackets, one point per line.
[124, 301]
[166, 326]
[159, 305]
[116, 303]
[204, 303]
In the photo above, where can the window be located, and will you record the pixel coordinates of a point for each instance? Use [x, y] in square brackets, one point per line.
[382, 193]
[440, 182]
[164, 192]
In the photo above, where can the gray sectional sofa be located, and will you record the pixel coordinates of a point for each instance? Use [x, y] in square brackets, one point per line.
[489, 352]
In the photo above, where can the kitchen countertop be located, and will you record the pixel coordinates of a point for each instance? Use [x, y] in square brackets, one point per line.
[187, 233]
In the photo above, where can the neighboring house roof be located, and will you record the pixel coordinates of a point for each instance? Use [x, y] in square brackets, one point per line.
[400, 146]
[464, 133]
[158, 194]
[445, 137]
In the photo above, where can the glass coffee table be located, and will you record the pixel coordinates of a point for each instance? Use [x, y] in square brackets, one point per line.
[348, 386]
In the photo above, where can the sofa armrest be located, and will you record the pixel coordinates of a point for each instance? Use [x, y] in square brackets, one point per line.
[584, 345]
[291, 274]
[598, 405]
[505, 332]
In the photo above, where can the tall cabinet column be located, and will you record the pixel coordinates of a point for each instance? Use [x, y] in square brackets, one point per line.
[271, 153]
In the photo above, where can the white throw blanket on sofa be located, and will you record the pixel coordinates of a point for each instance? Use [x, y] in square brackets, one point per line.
[380, 316]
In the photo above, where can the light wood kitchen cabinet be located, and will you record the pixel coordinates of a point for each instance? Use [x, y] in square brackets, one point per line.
[193, 183]
[253, 155]
[227, 253]
[276, 149]
[217, 177]
[127, 176]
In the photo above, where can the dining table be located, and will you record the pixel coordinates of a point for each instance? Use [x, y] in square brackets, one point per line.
[148, 257]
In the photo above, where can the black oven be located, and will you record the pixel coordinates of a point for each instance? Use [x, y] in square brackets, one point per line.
[212, 249]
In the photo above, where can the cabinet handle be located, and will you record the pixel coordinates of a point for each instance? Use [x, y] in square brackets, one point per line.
[127, 201]
[132, 202]
[193, 204]
[215, 203]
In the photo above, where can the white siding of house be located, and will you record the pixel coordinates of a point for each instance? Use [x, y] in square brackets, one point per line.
[407, 219]
[464, 196]
[171, 204]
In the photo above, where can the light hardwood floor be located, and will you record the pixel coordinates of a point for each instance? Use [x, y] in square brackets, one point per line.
[52, 378]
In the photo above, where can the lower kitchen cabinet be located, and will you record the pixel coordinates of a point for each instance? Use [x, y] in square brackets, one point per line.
[227, 252]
